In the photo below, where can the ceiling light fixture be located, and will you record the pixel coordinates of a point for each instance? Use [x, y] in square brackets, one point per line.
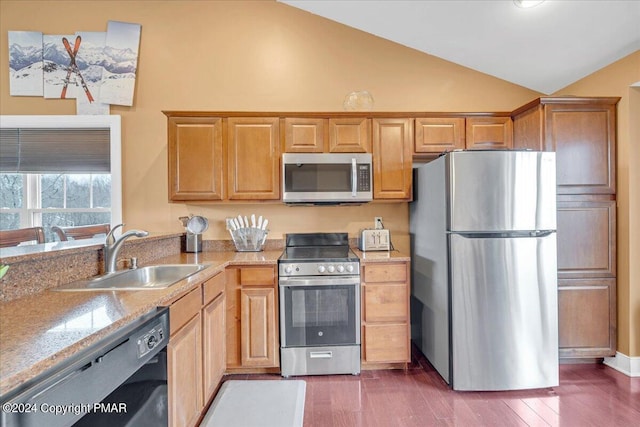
[525, 4]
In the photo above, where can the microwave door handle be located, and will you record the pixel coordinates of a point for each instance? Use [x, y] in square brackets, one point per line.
[354, 178]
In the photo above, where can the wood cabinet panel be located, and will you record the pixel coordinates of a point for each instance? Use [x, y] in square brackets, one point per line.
[350, 135]
[385, 272]
[304, 135]
[583, 137]
[253, 158]
[386, 343]
[587, 317]
[184, 359]
[489, 133]
[184, 309]
[233, 317]
[258, 333]
[586, 239]
[437, 134]
[392, 159]
[213, 287]
[257, 276]
[213, 344]
[195, 148]
[386, 302]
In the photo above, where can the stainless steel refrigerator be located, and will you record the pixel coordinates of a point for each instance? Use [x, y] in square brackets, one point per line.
[484, 307]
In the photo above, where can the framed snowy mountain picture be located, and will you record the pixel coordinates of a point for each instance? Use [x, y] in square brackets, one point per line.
[119, 77]
[25, 63]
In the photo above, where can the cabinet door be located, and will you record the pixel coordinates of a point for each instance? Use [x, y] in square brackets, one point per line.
[392, 160]
[253, 158]
[583, 137]
[304, 135]
[213, 344]
[386, 343]
[350, 135]
[433, 135]
[587, 317]
[489, 133]
[184, 359]
[386, 302]
[195, 158]
[586, 239]
[259, 343]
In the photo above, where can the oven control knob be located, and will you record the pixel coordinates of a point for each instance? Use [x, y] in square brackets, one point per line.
[331, 269]
[350, 268]
[152, 342]
[321, 269]
[340, 268]
[288, 269]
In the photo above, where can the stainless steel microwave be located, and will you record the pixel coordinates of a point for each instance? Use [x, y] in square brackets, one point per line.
[327, 178]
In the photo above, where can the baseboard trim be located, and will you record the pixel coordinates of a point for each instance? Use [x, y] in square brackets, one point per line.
[630, 366]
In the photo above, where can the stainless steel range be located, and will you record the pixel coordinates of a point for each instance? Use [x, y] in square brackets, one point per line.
[319, 284]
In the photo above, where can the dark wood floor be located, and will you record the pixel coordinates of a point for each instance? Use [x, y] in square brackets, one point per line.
[588, 395]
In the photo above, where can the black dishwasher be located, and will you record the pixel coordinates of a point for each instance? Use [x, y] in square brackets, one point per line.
[119, 381]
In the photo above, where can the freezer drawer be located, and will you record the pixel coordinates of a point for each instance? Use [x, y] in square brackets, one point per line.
[504, 309]
[501, 191]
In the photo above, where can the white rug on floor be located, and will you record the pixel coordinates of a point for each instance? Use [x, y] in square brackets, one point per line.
[257, 403]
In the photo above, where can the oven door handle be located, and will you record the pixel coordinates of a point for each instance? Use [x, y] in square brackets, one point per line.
[324, 281]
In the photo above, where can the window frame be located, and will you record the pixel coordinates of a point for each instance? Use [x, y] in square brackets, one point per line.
[113, 122]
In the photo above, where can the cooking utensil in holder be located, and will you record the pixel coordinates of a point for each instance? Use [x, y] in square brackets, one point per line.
[249, 239]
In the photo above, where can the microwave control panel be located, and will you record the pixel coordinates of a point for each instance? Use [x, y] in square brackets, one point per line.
[364, 177]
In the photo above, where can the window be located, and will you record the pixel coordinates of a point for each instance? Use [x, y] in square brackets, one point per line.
[28, 200]
[59, 170]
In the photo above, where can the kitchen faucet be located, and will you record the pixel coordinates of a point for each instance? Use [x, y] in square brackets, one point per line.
[112, 246]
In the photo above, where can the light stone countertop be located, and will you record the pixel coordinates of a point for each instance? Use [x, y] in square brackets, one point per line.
[39, 331]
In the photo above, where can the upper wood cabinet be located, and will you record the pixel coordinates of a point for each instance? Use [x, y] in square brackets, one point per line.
[392, 158]
[581, 131]
[438, 134]
[350, 135]
[253, 158]
[435, 135]
[489, 133]
[196, 169]
[304, 135]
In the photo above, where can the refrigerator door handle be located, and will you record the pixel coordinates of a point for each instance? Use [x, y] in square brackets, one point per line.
[503, 235]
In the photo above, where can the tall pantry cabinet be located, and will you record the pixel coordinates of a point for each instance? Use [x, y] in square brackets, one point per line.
[582, 132]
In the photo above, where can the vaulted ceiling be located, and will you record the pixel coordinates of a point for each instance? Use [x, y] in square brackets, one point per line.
[544, 48]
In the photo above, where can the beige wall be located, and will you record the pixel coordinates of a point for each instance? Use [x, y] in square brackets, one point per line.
[616, 80]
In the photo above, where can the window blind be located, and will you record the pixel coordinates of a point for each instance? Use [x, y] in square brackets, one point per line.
[42, 150]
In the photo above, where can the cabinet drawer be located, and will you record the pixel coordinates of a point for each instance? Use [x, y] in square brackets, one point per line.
[385, 273]
[386, 343]
[386, 302]
[257, 276]
[213, 287]
[184, 309]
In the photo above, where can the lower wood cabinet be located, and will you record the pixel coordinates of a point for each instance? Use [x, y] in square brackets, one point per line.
[587, 317]
[213, 334]
[385, 313]
[196, 350]
[587, 277]
[252, 319]
[184, 360]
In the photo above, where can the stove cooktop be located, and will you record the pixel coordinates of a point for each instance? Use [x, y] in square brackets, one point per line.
[318, 254]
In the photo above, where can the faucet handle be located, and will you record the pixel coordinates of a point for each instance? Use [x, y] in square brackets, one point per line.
[110, 239]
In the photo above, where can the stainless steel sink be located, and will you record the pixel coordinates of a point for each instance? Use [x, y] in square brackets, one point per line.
[149, 278]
